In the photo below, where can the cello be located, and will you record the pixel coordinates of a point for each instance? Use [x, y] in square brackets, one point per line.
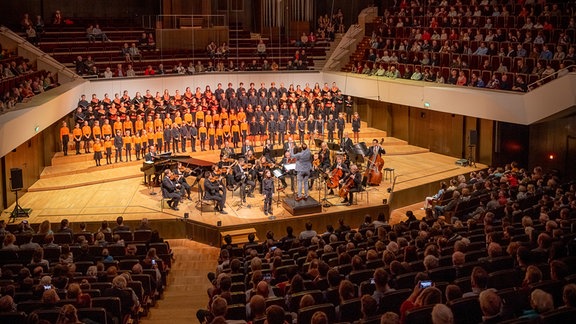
[373, 171]
[347, 186]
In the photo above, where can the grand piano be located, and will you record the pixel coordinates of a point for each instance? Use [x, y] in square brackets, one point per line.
[166, 160]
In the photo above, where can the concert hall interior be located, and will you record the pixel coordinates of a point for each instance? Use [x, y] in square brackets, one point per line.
[314, 143]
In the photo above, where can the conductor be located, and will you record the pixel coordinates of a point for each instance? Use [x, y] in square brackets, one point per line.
[303, 168]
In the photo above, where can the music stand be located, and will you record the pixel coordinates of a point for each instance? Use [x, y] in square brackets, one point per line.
[18, 211]
[333, 146]
[357, 152]
[277, 173]
[318, 142]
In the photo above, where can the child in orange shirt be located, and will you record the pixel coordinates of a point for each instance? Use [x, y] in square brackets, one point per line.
[97, 147]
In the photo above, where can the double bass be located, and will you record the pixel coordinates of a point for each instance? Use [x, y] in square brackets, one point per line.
[373, 171]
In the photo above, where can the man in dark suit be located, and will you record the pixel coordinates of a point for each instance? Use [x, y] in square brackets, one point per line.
[242, 179]
[354, 180]
[170, 190]
[346, 143]
[290, 146]
[246, 147]
[212, 191]
[227, 150]
[303, 168]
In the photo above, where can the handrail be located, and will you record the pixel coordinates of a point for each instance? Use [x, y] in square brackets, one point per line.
[173, 21]
[550, 77]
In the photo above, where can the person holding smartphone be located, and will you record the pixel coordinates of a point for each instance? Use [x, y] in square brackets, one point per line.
[421, 297]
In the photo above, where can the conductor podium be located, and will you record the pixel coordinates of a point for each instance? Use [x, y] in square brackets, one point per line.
[302, 207]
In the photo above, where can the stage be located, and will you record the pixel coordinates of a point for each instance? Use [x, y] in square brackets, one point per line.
[73, 188]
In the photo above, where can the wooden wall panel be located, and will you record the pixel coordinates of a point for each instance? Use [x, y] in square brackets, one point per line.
[485, 141]
[400, 127]
[439, 132]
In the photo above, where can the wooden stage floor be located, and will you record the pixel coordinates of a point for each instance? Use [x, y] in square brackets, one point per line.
[73, 188]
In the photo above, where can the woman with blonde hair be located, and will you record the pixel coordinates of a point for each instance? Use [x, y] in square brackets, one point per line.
[68, 315]
[45, 228]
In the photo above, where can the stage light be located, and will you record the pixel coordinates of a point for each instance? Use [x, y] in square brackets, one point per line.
[551, 156]
[426, 104]
[36, 128]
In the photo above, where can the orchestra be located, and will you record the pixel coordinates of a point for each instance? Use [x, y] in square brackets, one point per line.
[287, 124]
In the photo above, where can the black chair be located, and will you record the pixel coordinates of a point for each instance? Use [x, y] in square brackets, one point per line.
[563, 315]
[498, 263]
[96, 314]
[82, 266]
[236, 312]
[50, 315]
[466, 310]
[406, 280]
[142, 235]
[357, 277]
[294, 299]
[350, 310]
[112, 305]
[279, 301]
[514, 301]
[553, 287]
[13, 318]
[125, 235]
[420, 315]
[504, 279]
[305, 314]
[29, 306]
[446, 274]
[52, 254]
[127, 264]
[392, 300]
[62, 238]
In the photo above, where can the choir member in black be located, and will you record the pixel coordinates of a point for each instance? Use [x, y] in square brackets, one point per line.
[287, 159]
[138, 146]
[311, 127]
[340, 124]
[241, 178]
[292, 126]
[193, 134]
[170, 190]
[356, 127]
[214, 190]
[227, 151]
[348, 105]
[118, 145]
[167, 135]
[281, 127]
[301, 129]
[184, 136]
[180, 174]
[254, 127]
[268, 191]
[175, 133]
[262, 131]
[354, 182]
[272, 129]
[338, 101]
[246, 147]
[331, 127]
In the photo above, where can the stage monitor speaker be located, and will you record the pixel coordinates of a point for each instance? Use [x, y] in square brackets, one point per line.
[16, 179]
[473, 137]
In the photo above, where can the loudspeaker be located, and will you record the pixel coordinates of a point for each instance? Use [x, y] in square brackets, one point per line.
[473, 137]
[186, 215]
[16, 179]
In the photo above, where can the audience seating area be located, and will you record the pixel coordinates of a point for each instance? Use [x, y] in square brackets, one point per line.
[457, 31]
[22, 83]
[81, 258]
[67, 43]
[526, 244]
